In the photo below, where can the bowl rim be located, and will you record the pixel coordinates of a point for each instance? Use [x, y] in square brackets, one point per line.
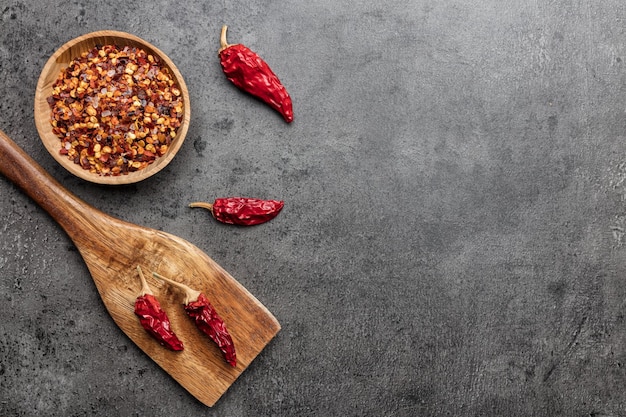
[49, 74]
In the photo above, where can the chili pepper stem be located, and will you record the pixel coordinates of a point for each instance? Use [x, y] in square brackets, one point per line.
[223, 42]
[191, 295]
[207, 206]
[145, 289]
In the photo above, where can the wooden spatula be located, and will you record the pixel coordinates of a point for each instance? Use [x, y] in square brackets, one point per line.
[112, 250]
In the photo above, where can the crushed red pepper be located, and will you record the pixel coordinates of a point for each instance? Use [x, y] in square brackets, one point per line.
[250, 73]
[206, 318]
[152, 317]
[115, 109]
[242, 211]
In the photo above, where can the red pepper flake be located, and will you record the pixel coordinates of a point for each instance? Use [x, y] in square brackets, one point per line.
[153, 318]
[250, 73]
[242, 211]
[115, 110]
[198, 307]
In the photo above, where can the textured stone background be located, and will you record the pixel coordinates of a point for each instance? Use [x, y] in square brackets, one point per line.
[453, 241]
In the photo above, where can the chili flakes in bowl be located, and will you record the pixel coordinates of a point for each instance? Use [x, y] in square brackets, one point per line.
[115, 109]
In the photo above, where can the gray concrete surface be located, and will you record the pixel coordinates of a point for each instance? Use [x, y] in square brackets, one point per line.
[453, 241]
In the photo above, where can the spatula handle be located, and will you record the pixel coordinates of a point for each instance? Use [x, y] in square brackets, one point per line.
[68, 210]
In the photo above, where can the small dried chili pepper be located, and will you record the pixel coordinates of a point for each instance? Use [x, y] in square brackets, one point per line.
[242, 210]
[198, 307]
[250, 73]
[153, 318]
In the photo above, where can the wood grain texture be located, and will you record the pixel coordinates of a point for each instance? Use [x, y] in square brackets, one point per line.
[113, 248]
[60, 60]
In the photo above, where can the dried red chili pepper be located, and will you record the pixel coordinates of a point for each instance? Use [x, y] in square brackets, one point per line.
[242, 210]
[250, 73]
[198, 307]
[153, 318]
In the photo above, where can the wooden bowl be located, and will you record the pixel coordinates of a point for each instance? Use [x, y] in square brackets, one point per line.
[59, 61]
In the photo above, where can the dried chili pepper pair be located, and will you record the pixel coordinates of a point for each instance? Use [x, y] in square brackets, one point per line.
[198, 307]
[242, 211]
[250, 73]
